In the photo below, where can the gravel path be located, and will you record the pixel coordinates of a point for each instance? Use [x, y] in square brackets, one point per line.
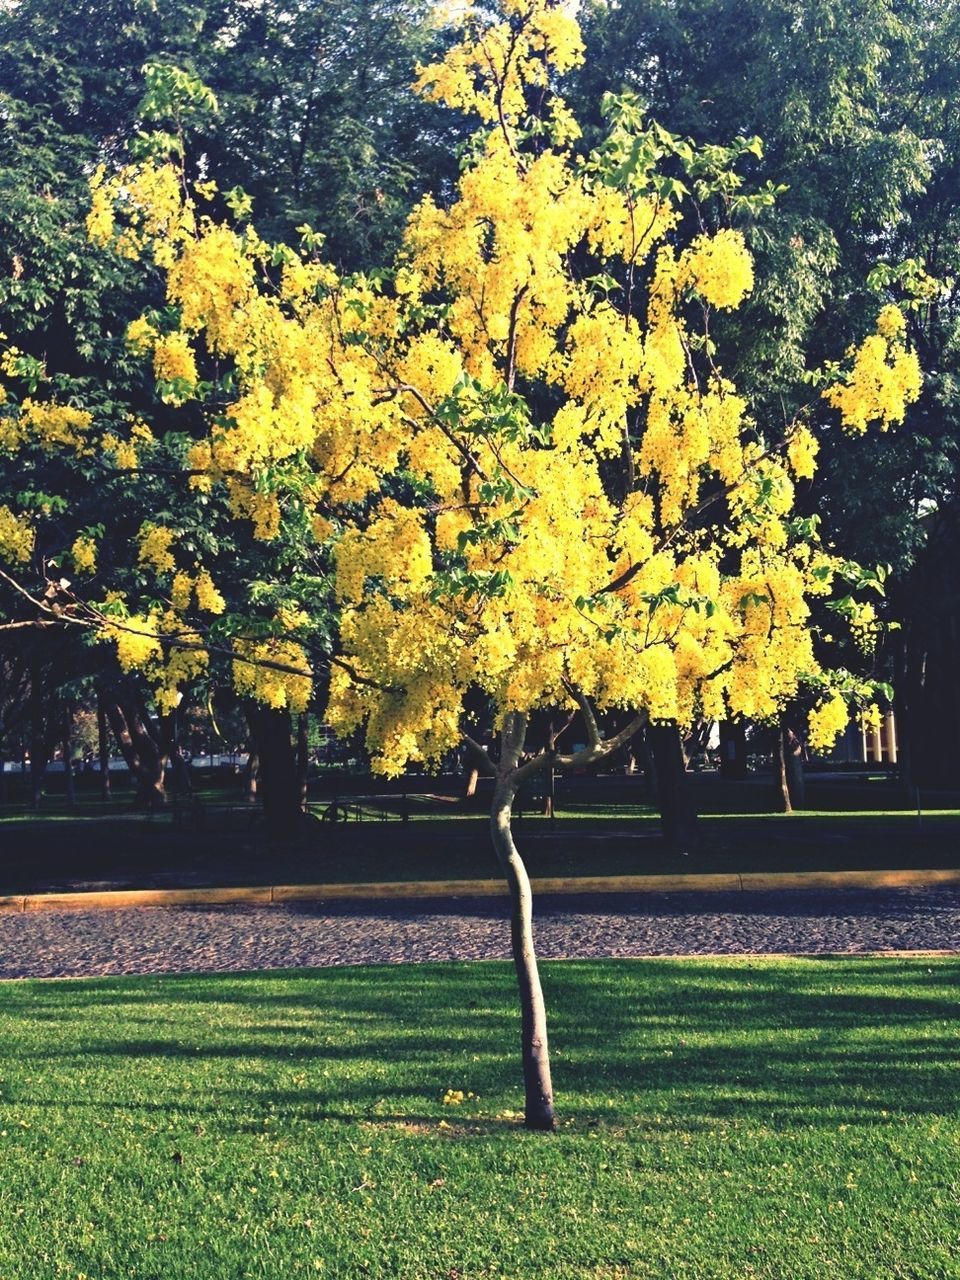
[223, 939]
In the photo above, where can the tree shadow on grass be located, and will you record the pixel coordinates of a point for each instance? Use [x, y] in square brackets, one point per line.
[788, 1045]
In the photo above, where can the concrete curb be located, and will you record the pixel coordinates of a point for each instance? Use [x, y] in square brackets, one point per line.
[268, 895]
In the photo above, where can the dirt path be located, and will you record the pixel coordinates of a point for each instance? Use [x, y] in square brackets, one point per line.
[224, 939]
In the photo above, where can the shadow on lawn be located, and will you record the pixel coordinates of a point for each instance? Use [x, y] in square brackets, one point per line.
[686, 1042]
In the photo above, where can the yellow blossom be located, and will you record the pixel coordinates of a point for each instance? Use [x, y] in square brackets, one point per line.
[173, 360]
[827, 721]
[17, 537]
[84, 554]
[209, 599]
[155, 542]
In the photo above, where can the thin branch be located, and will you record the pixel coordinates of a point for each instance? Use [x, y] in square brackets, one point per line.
[579, 759]
[357, 678]
[627, 576]
[428, 409]
[33, 622]
[591, 754]
[512, 338]
[481, 755]
[590, 720]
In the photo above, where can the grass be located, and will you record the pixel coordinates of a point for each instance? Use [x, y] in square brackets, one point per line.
[719, 1120]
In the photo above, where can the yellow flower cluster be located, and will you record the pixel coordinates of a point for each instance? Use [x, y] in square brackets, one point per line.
[802, 450]
[184, 663]
[155, 215]
[155, 543]
[209, 599]
[870, 717]
[17, 537]
[141, 335]
[865, 626]
[84, 554]
[159, 647]
[173, 359]
[490, 71]
[138, 642]
[184, 588]
[884, 379]
[827, 721]
[55, 426]
[273, 671]
[719, 268]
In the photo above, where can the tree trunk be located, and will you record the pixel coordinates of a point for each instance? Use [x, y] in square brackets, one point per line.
[66, 751]
[793, 753]
[470, 787]
[303, 758]
[251, 774]
[676, 812]
[786, 804]
[140, 747]
[538, 1109]
[103, 747]
[733, 750]
[170, 738]
[278, 777]
[38, 737]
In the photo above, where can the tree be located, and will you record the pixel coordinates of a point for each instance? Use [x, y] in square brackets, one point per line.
[515, 448]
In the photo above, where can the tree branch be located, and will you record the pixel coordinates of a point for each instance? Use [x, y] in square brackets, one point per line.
[590, 720]
[480, 754]
[591, 754]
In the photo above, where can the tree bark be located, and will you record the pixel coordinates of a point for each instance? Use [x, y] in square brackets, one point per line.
[303, 758]
[278, 776]
[38, 737]
[251, 774]
[676, 812]
[793, 753]
[66, 751]
[103, 747]
[139, 745]
[179, 770]
[538, 1089]
[733, 750]
[786, 804]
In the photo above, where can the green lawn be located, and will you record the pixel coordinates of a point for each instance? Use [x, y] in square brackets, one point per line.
[735, 1119]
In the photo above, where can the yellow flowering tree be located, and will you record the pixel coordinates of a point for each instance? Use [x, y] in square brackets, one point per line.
[515, 448]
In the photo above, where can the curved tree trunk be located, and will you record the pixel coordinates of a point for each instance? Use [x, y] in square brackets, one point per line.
[538, 1110]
